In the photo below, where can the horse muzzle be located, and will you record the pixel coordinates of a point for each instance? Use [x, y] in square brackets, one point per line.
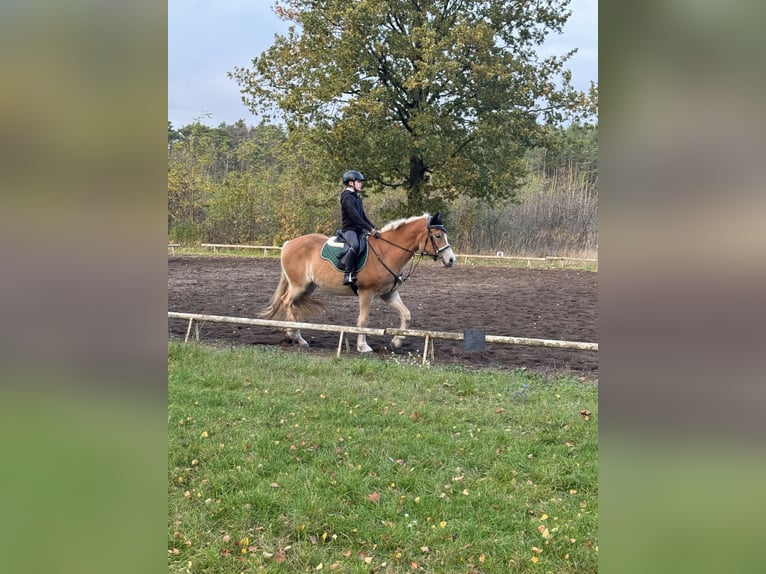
[448, 258]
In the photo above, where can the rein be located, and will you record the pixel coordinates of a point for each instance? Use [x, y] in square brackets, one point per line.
[398, 279]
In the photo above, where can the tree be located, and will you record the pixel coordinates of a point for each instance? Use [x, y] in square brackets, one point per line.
[439, 97]
[573, 148]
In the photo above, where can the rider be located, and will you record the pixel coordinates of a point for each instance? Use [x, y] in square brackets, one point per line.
[354, 221]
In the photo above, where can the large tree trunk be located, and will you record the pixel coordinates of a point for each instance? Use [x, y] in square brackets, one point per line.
[417, 196]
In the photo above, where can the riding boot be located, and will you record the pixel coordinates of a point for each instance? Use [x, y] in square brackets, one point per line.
[350, 266]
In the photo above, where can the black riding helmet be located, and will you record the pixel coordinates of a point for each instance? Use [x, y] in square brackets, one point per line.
[352, 175]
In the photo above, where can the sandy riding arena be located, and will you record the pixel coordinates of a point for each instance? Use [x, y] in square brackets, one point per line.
[557, 304]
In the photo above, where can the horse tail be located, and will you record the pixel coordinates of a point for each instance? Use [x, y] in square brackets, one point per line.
[276, 308]
[304, 306]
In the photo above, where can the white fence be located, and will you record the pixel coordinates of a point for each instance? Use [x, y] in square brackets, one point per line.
[344, 330]
[266, 248]
[500, 256]
[527, 259]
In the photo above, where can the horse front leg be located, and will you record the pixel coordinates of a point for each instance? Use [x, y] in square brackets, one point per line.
[365, 302]
[404, 314]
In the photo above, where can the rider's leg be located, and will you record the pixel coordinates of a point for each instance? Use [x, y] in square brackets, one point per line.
[350, 264]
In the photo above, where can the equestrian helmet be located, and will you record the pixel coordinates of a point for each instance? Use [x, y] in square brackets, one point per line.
[352, 175]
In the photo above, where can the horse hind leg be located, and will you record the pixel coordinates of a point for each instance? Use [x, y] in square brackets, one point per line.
[404, 314]
[291, 314]
[301, 304]
[283, 307]
[294, 335]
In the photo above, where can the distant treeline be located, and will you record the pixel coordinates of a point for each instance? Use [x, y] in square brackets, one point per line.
[263, 185]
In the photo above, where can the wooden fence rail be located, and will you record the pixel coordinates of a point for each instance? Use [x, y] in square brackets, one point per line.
[266, 248]
[343, 330]
[466, 256]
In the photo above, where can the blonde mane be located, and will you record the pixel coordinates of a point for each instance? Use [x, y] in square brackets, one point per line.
[399, 222]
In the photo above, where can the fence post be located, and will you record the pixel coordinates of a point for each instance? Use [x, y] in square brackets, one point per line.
[188, 330]
[340, 343]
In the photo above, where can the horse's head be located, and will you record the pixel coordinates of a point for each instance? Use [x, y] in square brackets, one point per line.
[437, 235]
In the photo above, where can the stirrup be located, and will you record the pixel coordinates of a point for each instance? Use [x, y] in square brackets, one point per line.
[349, 278]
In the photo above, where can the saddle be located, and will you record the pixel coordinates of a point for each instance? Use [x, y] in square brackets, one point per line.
[336, 247]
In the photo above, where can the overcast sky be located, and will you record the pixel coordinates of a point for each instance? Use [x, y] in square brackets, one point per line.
[208, 38]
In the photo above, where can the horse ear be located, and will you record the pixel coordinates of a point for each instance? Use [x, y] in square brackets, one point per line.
[437, 219]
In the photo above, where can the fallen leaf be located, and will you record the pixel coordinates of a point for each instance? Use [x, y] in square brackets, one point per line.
[374, 497]
[534, 559]
[544, 531]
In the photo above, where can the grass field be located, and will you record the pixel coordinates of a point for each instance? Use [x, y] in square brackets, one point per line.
[279, 462]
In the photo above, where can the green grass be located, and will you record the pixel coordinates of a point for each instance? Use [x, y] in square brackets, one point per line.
[279, 462]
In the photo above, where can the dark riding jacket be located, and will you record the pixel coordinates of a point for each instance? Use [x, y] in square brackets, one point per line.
[352, 212]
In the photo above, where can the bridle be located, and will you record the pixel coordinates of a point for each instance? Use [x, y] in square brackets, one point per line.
[398, 279]
[437, 250]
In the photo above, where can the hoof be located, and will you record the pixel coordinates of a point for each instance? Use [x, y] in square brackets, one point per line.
[297, 340]
[364, 349]
[396, 342]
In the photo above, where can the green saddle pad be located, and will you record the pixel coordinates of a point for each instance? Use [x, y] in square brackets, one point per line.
[332, 249]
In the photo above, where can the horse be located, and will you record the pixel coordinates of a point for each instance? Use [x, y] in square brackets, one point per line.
[303, 269]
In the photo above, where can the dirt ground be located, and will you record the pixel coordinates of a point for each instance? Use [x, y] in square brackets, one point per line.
[536, 303]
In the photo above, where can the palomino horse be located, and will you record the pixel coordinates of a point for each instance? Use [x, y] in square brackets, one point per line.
[303, 270]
